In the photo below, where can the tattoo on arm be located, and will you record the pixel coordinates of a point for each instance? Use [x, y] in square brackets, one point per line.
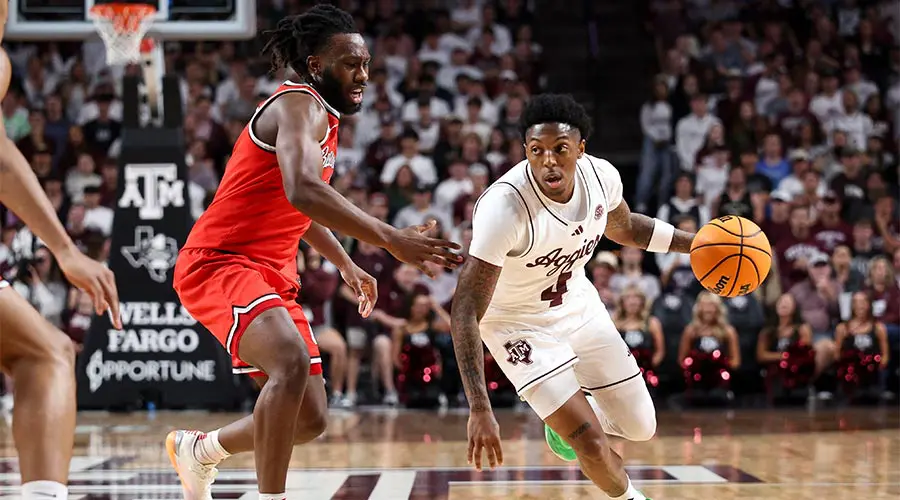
[580, 430]
[635, 230]
[478, 279]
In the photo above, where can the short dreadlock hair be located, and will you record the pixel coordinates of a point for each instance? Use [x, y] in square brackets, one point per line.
[555, 108]
[300, 36]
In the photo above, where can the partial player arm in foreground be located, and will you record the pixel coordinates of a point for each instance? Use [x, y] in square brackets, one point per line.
[22, 193]
[299, 122]
[473, 294]
[638, 230]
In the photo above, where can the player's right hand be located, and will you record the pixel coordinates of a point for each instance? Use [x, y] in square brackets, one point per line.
[484, 434]
[410, 245]
[95, 279]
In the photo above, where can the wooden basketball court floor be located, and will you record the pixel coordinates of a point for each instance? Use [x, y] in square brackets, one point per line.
[409, 455]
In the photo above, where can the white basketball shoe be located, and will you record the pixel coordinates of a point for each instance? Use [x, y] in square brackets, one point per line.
[196, 478]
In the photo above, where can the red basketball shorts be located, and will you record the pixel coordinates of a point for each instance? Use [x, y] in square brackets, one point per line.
[226, 292]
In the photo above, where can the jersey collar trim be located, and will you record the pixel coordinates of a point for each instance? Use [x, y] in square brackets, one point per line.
[317, 95]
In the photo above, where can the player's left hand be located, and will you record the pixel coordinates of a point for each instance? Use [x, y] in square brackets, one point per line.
[95, 279]
[365, 286]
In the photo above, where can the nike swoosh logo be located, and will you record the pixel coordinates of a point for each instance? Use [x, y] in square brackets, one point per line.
[46, 495]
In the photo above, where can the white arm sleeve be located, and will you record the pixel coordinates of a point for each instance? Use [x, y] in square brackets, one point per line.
[609, 179]
[500, 225]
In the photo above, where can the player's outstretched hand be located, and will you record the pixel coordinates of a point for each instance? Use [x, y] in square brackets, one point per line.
[410, 245]
[364, 285]
[95, 279]
[484, 434]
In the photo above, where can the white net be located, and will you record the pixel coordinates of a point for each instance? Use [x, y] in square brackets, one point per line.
[122, 28]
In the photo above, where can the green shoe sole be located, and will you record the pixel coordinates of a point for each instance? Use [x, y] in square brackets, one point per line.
[559, 447]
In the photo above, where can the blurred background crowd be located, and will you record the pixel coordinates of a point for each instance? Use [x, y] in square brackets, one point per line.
[783, 111]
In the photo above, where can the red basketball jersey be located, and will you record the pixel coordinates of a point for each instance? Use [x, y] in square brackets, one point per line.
[250, 214]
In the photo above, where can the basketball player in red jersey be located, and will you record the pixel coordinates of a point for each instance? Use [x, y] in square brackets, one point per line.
[237, 272]
[39, 357]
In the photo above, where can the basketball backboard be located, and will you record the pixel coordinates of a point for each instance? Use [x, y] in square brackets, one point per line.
[175, 19]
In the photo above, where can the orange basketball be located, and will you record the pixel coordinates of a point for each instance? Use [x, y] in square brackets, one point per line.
[731, 256]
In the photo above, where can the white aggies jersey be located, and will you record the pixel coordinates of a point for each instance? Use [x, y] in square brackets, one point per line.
[542, 245]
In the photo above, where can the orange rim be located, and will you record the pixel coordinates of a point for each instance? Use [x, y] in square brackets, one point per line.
[123, 16]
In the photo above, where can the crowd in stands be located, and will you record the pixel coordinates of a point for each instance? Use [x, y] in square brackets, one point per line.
[782, 114]
[786, 112]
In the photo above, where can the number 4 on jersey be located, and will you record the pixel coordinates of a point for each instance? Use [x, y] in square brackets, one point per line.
[556, 296]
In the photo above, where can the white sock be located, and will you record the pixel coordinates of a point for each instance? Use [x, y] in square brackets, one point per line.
[44, 490]
[272, 496]
[631, 493]
[208, 450]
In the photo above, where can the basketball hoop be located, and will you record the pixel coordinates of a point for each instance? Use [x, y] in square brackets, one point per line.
[122, 27]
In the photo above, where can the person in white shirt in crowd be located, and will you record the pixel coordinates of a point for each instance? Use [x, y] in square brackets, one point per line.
[767, 86]
[432, 51]
[856, 124]
[656, 155]
[97, 216]
[378, 85]
[473, 123]
[854, 80]
[829, 103]
[421, 210]
[228, 89]
[712, 177]
[349, 157]
[449, 190]
[428, 128]
[684, 203]
[793, 184]
[459, 63]
[691, 131]
[368, 122]
[83, 175]
[631, 274]
[466, 15]
[395, 61]
[502, 38]
[440, 109]
[39, 284]
[422, 166]
[475, 89]
[38, 82]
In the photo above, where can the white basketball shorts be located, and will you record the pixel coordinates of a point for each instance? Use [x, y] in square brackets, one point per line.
[534, 349]
[3, 284]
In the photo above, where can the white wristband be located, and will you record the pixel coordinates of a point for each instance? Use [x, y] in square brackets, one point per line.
[661, 239]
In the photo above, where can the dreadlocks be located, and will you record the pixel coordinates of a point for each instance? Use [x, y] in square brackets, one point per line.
[298, 37]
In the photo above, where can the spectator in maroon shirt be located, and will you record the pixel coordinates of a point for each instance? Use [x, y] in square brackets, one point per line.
[776, 223]
[318, 282]
[886, 225]
[729, 107]
[385, 146]
[896, 265]
[797, 115]
[109, 173]
[850, 184]
[379, 264]
[863, 246]
[817, 299]
[796, 247]
[850, 279]
[831, 230]
[885, 297]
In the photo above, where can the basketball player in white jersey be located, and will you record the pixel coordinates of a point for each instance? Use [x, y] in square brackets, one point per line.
[527, 297]
[39, 357]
